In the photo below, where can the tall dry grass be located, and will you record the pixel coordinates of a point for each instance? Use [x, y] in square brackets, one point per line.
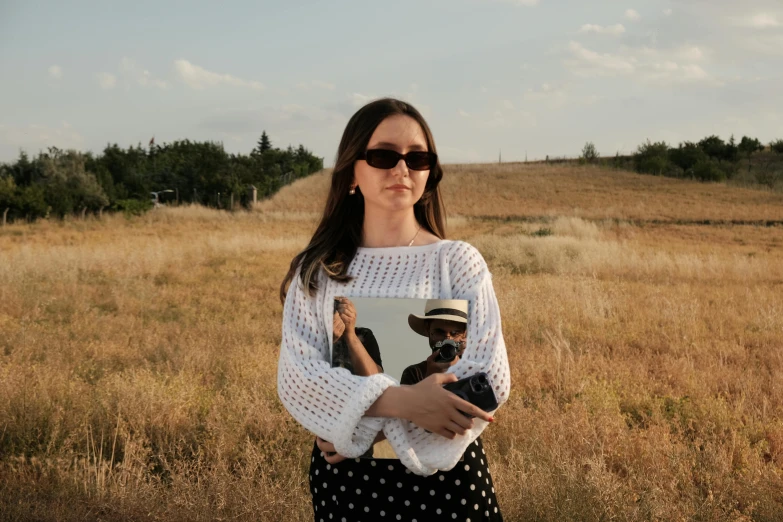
[138, 357]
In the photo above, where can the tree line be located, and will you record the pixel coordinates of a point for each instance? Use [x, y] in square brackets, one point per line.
[61, 182]
[710, 159]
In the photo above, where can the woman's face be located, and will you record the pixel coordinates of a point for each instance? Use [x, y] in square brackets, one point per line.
[397, 188]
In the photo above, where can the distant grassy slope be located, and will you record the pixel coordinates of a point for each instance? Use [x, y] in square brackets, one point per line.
[526, 191]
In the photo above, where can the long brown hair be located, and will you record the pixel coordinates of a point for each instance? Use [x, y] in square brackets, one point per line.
[339, 233]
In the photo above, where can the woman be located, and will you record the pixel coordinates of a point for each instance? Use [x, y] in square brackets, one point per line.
[382, 235]
[353, 347]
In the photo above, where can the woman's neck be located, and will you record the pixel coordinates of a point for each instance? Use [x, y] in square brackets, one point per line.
[388, 229]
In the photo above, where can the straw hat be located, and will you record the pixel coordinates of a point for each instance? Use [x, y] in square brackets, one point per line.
[447, 309]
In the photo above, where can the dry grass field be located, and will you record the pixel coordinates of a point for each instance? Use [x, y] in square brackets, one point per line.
[643, 318]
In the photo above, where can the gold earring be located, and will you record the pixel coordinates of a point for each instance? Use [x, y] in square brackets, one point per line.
[352, 191]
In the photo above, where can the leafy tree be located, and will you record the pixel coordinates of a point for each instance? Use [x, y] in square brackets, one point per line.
[122, 179]
[652, 158]
[708, 171]
[714, 147]
[21, 202]
[776, 146]
[7, 193]
[67, 186]
[748, 146]
[31, 202]
[686, 156]
[589, 152]
[731, 151]
[264, 144]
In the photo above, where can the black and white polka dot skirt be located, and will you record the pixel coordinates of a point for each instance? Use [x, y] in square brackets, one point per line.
[376, 490]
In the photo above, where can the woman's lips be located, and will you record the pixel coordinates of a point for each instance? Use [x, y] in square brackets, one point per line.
[399, 187]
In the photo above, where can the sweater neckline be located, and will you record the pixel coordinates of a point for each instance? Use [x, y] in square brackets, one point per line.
[416, 248]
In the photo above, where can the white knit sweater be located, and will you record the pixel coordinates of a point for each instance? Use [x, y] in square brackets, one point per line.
[331, 402]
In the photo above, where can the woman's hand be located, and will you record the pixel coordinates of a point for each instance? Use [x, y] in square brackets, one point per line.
[338, 327]
[330, 454]
[439, 411]
[347, 313]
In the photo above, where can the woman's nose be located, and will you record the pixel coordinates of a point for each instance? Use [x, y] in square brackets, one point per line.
[401, 168]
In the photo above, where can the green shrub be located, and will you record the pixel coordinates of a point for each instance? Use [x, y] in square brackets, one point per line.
[652, 158]
[708, 171]
[132, 207]
[589, 152]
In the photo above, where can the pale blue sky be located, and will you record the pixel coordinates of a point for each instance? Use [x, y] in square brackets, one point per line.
[525, 76]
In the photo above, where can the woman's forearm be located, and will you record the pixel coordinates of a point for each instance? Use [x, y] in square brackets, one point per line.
[362, 363]
[391, 403]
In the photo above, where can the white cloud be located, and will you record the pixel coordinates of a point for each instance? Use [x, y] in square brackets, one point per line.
[508, 105]
[691, 53]
[667, 12]
[591, 63]
[632, 14]
[197, 77]
[509, 119]
[359, 100]
[769, 44]
[35, 137]
[132, 72]
[763, 21]
[315, 84]
[463, 113]
[554, 97]
[106, 80]
[56, 72]
[677, 65]
[528, 3]
[615, 30]
[287, 118]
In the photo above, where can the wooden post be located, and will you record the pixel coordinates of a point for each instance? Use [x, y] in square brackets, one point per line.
[5, 213]
[231, 207]
[84, 211]
[252, 196]
[100, 211]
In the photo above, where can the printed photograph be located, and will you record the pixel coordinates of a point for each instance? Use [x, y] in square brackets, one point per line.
[408, 339]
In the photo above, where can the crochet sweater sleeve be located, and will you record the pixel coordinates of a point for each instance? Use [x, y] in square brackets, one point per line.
[329, 402]
[426, 453]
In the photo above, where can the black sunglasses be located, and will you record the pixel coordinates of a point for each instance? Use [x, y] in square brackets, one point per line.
[388, 159]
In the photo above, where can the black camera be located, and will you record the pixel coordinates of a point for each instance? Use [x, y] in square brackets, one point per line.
[448, 350]
[475, 389]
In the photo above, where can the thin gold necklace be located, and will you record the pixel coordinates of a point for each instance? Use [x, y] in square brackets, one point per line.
[414, 237]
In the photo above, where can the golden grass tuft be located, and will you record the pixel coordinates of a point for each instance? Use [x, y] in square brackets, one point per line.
[138, 356]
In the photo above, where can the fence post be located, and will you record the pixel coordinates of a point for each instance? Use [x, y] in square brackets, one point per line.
[5, 213]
